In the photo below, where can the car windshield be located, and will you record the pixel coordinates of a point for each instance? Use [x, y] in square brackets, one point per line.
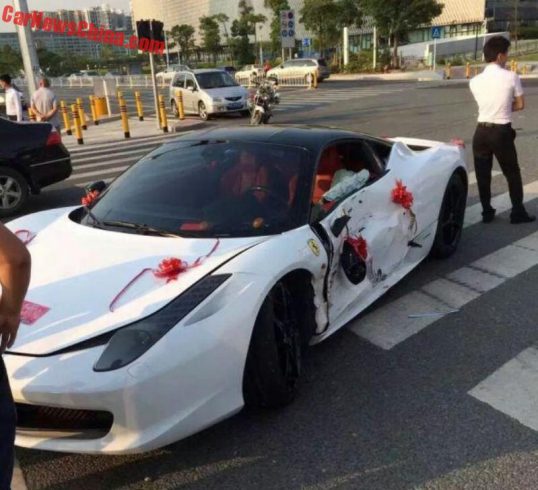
[215, 79]
[210, 189]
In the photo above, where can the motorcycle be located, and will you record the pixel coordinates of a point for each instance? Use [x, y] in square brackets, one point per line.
[262, 103]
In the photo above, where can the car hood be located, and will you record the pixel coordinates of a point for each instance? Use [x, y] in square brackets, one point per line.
[226, 92]
[78, 271]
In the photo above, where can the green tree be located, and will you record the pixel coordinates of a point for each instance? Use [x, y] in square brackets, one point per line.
[183, 37]
[276, 6]
[210, 35]
[223, 20]
[318, 16]
[396, 18]
[242, 28]
[10, 61]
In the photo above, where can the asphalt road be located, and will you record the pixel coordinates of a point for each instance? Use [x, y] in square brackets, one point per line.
[365, 417]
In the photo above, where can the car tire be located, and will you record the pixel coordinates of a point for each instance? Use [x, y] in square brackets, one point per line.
[273, 363]
[202, 111]
[451, 218]
[175, 109]
[14, 191]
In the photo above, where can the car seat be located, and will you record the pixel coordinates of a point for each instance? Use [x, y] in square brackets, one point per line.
[330, 162]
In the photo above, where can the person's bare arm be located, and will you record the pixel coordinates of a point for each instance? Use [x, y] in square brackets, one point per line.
[52, 112]
[15, 265]
[518, 104]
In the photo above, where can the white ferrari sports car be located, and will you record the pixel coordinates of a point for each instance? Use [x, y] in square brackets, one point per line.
[192, 284]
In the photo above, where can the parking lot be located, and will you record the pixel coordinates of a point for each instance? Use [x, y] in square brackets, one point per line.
[451, 406]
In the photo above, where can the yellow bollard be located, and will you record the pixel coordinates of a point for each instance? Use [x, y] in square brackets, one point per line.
[468, 70]
[31, 115]
[76, 119]
[81, 113]
[162, 111]
[94, 111]
[180, 106]
[65, 114]
[448, 71]
[139, 107]
[315, 78]
[124, 118]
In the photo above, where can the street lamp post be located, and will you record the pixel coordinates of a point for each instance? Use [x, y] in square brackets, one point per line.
[165, 38]
[28, 51]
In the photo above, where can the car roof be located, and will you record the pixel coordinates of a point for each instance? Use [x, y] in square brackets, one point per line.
[313, 138]
[199, 71]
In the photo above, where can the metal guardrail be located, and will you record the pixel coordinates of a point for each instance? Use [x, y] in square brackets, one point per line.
[121, 81]
[298, 79]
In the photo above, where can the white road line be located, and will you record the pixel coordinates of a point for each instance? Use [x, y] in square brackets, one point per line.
[117, 170]
[512, 388]
[501, 203]
[106, 163]
[141, 151]
[18, 482]
[391, 324]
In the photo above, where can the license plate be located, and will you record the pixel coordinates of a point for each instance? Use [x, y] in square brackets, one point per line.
[236, 105]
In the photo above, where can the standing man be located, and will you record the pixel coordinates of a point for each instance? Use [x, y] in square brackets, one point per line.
[13, 99]
[45, 105]
[498, 93]
[14, 279]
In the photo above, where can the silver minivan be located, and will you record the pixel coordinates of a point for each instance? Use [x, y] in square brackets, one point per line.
[207, 93]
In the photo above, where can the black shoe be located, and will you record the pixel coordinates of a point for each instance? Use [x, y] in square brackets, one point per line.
[488, 216]
[524, 217]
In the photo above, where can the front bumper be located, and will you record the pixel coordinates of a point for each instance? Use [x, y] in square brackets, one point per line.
[228, 106]
[189, 380]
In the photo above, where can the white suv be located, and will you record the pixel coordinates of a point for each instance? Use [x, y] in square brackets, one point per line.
[300, 67]
[208, 92]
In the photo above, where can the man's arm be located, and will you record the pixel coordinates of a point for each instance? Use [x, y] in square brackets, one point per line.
[15, 265]
[518, 104]
[34, 108]
[49, 115]
[18, 103]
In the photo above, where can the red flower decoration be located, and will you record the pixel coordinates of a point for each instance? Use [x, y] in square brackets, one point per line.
[359, 246]
[401, 196]
[89, 198]
[170, 268]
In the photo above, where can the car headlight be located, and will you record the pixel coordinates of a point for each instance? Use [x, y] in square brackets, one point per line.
[129, 343]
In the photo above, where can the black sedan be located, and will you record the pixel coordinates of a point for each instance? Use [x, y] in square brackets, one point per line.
[32, 156]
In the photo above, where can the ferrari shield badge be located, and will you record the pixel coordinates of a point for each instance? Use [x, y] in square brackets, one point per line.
[314, 247]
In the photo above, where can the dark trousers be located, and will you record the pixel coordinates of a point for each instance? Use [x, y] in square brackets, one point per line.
[497, 141]
[7, 430]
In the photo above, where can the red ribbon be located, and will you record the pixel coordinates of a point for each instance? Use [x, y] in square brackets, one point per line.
[29, 236]
[401, 196]
[359, 246]
[89, 198]
[169, 269]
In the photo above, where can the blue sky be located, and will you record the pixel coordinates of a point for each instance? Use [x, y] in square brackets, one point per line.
[62, 4]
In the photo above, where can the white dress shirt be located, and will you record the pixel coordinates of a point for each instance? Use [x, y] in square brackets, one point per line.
[494, 91]
[13, 103]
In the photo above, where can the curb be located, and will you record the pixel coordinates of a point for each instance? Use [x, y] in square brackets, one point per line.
[18, 482]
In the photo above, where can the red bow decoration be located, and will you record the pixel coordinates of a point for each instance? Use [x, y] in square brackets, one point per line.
[89, 198]
[168, 269]
[401, 196]
[359, 246]
[28, 236]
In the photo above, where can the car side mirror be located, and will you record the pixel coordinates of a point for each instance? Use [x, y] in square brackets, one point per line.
[339, 224]
[98, 186]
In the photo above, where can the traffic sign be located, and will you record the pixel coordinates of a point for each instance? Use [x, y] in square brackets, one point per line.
[287, 31]
[436, 32]
[307, 42]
